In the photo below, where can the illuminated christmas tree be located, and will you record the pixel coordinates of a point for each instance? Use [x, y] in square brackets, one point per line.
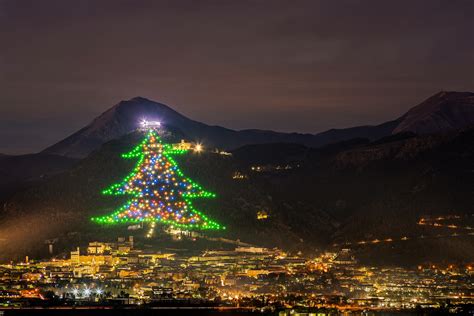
[159, 191]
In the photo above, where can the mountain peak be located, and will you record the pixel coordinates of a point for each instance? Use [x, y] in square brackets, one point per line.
[117, 121]
[134, 110]
[446, 110]
[139, 99]
[452, 94]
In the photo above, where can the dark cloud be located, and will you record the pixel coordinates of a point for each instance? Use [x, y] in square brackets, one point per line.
[283, 65]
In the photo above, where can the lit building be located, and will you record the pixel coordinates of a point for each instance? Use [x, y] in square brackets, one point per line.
[183, 145]
[239, 176]
[261, 215]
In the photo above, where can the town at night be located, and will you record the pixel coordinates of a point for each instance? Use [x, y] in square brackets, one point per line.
[290, 158]
[246, 278]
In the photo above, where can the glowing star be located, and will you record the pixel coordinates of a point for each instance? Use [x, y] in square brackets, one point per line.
[145, 124]
[159, 190]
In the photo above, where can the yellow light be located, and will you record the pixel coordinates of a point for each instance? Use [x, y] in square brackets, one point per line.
[198, 148]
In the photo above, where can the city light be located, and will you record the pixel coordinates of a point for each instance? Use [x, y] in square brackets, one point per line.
[198, 148]
[395, 288]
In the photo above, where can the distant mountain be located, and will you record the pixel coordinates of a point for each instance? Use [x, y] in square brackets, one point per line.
[443, 111]
[368, 132]
[126, 115]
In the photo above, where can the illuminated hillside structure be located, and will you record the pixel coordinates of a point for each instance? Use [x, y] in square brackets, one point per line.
[159, 190]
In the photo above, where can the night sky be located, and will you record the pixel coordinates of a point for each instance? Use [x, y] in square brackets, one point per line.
[284, 65]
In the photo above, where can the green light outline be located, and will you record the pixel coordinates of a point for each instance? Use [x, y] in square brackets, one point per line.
[167, 151]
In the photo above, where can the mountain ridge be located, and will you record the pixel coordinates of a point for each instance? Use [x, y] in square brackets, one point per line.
[443, 111]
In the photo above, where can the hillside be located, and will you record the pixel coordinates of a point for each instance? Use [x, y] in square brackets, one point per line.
[344, 192]
[25, 170]
[32, 166]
